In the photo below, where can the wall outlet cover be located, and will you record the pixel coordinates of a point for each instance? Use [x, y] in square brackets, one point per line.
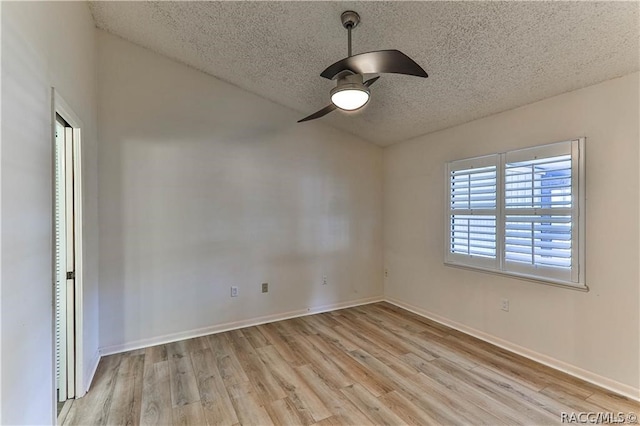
[504, 305]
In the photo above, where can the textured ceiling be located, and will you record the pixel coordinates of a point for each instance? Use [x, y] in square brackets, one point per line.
[482, 57]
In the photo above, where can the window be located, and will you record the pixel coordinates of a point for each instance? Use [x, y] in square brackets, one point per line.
[519, 213]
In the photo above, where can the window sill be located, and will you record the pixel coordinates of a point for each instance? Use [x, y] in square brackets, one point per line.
[524, 277]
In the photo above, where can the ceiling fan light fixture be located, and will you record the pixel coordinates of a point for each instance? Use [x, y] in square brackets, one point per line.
[350, 99]
[350, 93]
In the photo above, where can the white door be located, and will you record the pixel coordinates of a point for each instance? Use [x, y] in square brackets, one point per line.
[64, 259]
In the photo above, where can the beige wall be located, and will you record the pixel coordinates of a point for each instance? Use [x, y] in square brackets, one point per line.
[43, 45]
[204, 186]
[598, 331]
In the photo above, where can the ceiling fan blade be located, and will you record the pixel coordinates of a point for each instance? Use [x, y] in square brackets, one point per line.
[324, 111]
[378, 62]
[369, 82]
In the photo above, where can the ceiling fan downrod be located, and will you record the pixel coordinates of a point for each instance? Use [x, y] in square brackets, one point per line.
[350, 20]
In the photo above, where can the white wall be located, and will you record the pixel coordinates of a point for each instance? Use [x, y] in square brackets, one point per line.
[203, 185]
[597, 332]
[43, 45]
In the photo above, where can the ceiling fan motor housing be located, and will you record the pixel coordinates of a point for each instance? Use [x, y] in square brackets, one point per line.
[350, 81]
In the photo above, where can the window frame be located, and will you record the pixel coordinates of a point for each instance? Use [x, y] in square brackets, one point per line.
[547, 275]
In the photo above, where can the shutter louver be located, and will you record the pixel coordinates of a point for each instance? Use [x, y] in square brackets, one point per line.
[473, 235]
[539, 184]
[59, 229]
[539, 240]
[473, 188]
[472, 211]
[538, 205]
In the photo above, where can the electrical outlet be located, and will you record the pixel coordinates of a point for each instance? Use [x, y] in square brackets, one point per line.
[234, 291]
[324, 280]
[505, 305]
[265, 287]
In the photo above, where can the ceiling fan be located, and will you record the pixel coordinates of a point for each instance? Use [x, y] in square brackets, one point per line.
[351, 91]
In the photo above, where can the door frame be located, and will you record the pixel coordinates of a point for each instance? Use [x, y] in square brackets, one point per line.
[61, 107]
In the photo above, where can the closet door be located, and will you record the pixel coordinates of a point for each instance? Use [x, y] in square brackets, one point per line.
[64, 260]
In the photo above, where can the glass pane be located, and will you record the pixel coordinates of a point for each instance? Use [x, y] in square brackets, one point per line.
[540, 183]
[539, 240]
[473, 188]
[473, 235]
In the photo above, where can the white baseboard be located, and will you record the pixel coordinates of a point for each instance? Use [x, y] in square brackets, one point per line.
[234, 325]
[89, 374]
[596, 379]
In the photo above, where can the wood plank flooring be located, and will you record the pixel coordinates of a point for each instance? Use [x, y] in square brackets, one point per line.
[373, 364]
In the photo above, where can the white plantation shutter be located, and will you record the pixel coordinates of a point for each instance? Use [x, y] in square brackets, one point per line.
[524, 212]
[472, 210]
[539, 211]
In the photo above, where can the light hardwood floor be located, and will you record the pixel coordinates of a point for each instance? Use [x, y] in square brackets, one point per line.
[373, 364]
